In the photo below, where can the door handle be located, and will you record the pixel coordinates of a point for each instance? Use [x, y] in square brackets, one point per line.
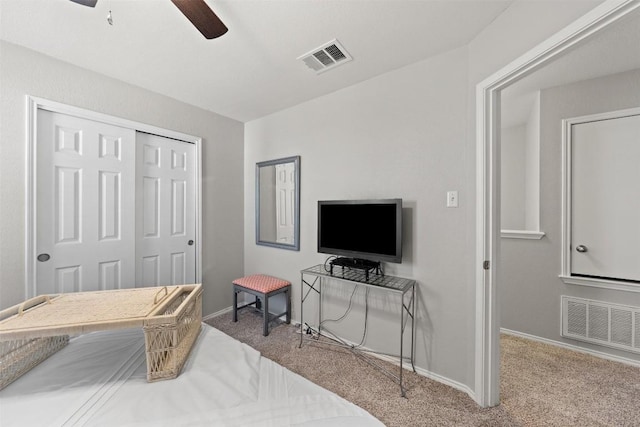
[190, 243]
[44, 257]
[581, 248]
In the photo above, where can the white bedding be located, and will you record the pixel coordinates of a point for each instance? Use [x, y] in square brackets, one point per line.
[99, 379]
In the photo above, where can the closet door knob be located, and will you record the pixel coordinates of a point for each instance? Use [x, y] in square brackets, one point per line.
[44, 257]
[190, 243]
[581, 248]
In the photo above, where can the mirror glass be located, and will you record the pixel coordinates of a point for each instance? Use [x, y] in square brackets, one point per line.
[278, 203]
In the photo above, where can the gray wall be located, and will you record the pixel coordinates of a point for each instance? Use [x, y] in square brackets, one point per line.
[409, 133]
[389, 138]
[530, 287]
[513, 150]
[518, 29]
[532, 168]
[25, 72]
[520, 170]
[415, 128]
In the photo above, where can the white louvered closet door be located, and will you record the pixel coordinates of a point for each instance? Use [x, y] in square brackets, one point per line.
[165, 211]
[85, 181]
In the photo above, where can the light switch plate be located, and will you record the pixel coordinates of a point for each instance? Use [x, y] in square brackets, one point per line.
[452, 199]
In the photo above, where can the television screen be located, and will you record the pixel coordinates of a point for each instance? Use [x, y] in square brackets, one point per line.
[363, 229]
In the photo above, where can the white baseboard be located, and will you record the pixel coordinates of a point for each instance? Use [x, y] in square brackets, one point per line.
[217, 313]
[227, 310]
[407, 365]
[572, 347]
[394, 360]
[426, 373]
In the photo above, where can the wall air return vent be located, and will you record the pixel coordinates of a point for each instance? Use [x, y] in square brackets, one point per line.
[603, 323]
[326, 57]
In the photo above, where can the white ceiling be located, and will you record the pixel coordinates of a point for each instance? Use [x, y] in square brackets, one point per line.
[252, 70]
[615, 49]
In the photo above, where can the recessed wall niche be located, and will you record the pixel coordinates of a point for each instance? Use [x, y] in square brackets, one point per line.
[520, 164]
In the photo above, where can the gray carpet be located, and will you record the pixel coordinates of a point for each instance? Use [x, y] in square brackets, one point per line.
[542, 385]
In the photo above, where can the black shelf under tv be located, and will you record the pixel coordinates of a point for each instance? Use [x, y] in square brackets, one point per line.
[360, 264]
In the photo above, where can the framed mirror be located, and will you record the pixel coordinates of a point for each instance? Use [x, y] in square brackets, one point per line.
[278, 203]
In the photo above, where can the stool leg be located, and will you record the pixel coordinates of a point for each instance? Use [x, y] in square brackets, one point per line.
[287, 295]
[235, 305]
[265, 330]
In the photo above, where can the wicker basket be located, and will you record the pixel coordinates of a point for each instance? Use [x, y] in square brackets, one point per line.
[170, 317]
[18, 356]
[170, 336]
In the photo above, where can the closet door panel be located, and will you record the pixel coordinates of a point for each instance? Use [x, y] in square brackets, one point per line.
[85, 183]
[166, 213]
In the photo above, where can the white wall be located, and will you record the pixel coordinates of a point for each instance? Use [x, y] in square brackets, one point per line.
[410, 134]
[25, 72]
[530, 287]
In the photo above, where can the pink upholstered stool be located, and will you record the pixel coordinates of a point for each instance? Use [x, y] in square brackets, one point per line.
[262, 287]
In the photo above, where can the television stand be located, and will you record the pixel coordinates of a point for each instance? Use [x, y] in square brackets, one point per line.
[400, 290]
[359, 264]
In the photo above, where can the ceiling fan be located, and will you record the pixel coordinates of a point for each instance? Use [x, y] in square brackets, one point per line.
[196, 11]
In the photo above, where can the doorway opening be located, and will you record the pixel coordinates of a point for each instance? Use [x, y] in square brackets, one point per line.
[563, 44]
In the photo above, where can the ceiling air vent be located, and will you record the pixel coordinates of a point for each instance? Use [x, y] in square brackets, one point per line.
[325, 57]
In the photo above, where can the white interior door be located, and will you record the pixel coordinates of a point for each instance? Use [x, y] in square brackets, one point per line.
[85, 199]
[605, 198]
[285, 196]
[165, 211]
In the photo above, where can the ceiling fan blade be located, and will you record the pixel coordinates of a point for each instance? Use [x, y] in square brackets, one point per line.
[90, 3]
[202, 17]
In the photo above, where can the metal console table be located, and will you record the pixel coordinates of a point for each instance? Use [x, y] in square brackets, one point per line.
[397, 285]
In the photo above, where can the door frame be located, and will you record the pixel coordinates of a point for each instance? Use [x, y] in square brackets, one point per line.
[487, 326]
[33, 105]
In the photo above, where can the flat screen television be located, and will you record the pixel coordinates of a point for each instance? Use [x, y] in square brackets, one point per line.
[361, 229]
